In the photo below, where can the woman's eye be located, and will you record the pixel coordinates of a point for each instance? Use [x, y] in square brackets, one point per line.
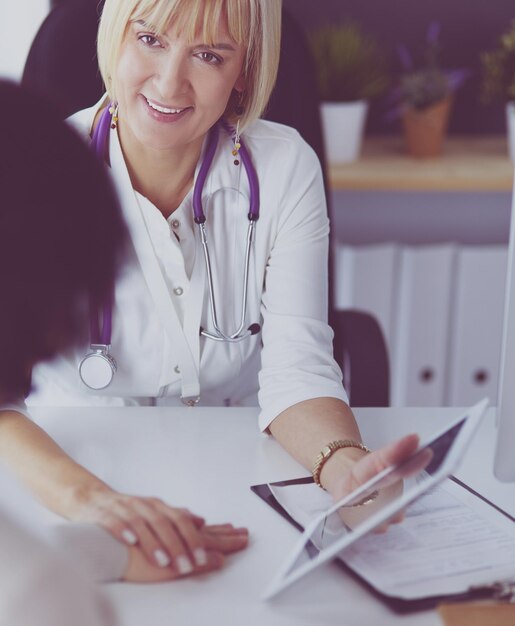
[149, 40]
[209, 57]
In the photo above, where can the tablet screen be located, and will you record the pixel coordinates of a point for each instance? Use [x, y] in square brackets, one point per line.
[388, 491]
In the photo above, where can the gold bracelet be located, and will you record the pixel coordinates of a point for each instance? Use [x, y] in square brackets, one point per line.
[327, 452]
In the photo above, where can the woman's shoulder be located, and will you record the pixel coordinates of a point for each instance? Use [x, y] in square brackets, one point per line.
[82, 121]
[264, 130]
[272, 138]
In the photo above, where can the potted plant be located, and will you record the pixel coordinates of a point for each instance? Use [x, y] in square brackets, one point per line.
[351, 71]
[424, 97]
[498, 80]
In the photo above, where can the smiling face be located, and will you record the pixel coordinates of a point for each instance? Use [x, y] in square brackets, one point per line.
[171, 90]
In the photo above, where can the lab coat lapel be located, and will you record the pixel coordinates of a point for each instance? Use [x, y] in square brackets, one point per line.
[187, 356]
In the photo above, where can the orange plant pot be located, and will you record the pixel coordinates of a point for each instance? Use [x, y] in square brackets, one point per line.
[425, 129]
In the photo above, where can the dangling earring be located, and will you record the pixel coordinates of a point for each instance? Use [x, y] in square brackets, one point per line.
[237, 145]
[113, 109]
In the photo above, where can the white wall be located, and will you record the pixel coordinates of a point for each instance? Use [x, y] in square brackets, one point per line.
[19, 22]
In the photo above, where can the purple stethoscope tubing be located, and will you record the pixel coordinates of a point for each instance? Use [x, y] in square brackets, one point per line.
[99, 140]
[101, 336]
[98, 367]
[200, 219]
[209, 155]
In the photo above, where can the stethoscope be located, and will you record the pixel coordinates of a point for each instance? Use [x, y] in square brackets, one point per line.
[98, 367]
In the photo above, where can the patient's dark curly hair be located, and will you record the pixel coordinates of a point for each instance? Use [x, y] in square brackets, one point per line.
[61, 236]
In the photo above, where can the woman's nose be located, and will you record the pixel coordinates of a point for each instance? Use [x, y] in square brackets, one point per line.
[172, 77]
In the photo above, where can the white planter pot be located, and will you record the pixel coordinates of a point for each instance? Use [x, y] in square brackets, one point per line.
[343, 124]
[510, 123]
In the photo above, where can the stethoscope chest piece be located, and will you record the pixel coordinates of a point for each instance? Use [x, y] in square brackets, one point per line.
[97, 368]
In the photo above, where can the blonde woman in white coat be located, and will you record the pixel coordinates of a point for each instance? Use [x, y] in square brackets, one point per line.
[173, 70]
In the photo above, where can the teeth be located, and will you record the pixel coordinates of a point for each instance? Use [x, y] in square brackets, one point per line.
[162, 109]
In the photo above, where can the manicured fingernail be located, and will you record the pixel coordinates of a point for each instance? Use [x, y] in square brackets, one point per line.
[200, 557]
[161, 558]
[184, 565]
[129, 537]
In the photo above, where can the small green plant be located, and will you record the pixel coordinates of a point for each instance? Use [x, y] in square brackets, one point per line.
[498, 69]
[350, 64]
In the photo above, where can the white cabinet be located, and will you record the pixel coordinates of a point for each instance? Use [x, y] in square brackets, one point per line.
[422, 244]
[440, 307]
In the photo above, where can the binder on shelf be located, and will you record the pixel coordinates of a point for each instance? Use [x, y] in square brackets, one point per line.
[419, 349]
[366, 279]
[475, 346]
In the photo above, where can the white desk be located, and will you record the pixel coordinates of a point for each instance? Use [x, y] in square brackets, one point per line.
[206, 459]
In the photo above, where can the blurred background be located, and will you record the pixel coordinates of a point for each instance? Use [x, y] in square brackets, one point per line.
[468, 28]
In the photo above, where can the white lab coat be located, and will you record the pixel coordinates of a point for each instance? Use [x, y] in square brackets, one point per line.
[291, 360]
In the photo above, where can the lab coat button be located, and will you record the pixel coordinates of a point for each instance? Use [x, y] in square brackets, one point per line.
[176, 369]
[178, 291]
[175, 224]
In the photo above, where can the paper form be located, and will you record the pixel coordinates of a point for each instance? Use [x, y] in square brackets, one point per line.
[303, 502]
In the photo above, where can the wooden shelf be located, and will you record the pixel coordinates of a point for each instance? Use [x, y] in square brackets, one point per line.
[471, 163]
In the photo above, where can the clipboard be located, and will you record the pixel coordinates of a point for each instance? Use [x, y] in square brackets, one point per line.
[326, 534]
[503, 590]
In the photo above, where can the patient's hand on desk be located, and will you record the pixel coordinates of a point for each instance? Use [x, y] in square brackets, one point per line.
[219, 540]
[369, 466]
[171, 539]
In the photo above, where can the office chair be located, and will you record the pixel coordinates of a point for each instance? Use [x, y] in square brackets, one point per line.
[62, 65]
[360, 350]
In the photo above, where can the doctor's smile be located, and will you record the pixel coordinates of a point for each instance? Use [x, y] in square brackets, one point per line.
[165, 114]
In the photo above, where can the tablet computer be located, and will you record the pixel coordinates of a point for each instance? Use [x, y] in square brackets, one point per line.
[331, 533]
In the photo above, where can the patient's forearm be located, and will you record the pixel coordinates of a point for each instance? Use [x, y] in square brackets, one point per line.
[49, 473]
[165, 542]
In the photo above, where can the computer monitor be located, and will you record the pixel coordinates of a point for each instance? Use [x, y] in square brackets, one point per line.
[504, 467]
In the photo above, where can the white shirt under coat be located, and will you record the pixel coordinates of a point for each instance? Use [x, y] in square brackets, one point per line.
[291, 359]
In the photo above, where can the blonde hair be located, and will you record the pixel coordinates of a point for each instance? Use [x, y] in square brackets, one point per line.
[255, 24]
